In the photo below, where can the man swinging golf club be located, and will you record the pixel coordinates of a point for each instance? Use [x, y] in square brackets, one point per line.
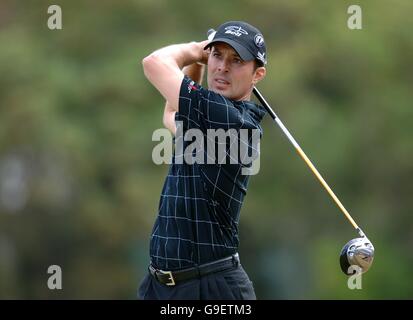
[235, 48]
[194, 242]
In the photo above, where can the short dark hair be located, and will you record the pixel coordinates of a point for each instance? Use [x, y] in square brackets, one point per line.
[258, 64]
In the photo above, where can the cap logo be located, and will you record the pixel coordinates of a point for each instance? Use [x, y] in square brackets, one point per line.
[235, 30]
[259, 40]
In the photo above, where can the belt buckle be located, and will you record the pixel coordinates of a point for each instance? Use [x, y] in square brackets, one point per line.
[171, 278]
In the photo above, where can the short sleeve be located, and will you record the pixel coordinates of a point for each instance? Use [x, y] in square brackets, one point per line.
[204, 109]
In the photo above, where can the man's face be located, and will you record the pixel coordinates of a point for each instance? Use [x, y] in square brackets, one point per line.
[229, 75]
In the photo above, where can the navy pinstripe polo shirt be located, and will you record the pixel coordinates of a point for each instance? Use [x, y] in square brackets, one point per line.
[200, 204]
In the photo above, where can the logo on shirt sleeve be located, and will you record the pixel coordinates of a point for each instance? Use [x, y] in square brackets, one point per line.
[191, 86]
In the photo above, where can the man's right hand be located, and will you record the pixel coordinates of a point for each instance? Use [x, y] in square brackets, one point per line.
[205, 53]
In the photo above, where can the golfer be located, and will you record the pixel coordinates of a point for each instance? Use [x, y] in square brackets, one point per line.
[194, 242]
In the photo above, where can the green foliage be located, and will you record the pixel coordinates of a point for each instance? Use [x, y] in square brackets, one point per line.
[77, 117]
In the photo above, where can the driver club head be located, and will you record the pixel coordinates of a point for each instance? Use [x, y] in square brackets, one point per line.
[358, 252]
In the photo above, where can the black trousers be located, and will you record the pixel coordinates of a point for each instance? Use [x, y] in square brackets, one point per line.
[231, 284]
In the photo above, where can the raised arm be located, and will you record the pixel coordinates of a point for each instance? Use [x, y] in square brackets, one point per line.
[163, 68]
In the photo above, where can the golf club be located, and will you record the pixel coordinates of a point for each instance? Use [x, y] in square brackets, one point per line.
[358, 251]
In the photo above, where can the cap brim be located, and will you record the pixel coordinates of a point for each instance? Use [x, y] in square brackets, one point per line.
[241, 50]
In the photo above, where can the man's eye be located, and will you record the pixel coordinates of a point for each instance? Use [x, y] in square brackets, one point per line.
[236, 60]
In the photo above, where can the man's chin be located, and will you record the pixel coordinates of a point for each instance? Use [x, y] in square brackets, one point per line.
[223, 92]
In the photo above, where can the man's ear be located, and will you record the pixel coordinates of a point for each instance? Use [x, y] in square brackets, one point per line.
[259, 74]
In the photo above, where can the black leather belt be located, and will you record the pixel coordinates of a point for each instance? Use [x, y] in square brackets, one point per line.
[171, 278]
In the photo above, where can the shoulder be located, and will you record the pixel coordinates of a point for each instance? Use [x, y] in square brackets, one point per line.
[193, 90]
[256, 111]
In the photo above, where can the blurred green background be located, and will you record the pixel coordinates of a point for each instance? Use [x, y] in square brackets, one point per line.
[78, 187]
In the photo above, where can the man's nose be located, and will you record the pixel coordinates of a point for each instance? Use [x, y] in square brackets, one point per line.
[223, 65]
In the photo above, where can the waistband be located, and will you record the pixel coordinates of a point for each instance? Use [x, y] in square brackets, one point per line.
[171, 278]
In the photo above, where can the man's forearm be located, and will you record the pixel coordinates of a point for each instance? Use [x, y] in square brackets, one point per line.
[184, 54]
[163, 68]
[176, 56]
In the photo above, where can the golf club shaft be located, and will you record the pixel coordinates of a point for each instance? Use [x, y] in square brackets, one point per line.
[300, 151]
[306, 159]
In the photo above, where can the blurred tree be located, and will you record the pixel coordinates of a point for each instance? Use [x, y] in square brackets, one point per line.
[78, 187]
